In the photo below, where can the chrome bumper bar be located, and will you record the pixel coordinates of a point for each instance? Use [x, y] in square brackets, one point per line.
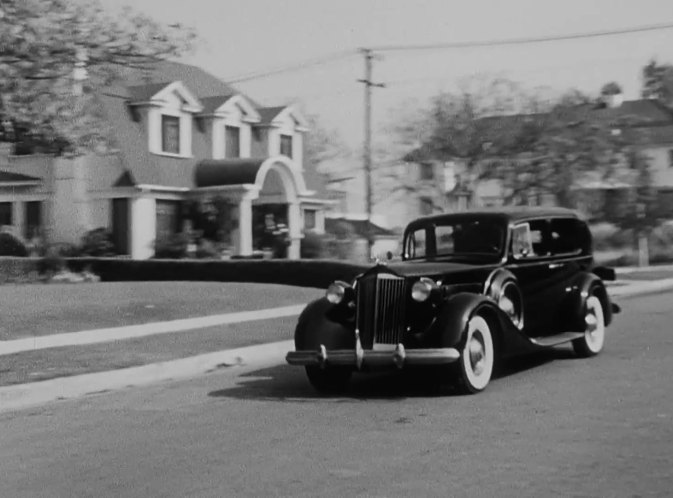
[398, 357]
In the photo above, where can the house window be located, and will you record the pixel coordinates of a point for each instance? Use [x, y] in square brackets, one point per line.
[286, 145]
[670, 158]
[427, 171]
[5, 213]
[426, 206]
[33, 219]
[232, 147]
[170, 134]
[309, 219]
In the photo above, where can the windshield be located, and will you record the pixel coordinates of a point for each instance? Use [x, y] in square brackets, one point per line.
[456, 237]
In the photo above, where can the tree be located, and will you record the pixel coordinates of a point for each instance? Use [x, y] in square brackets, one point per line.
[658, 82]
[49, 47]
[529, 144]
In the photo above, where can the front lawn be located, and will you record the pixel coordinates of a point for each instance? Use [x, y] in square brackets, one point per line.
[39, 309]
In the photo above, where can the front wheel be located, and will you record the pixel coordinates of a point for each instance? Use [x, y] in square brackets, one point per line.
[594, 335]
[477, 357]
[329, 380]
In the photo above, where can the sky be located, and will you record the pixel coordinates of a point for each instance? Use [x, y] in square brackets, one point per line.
[238, 37]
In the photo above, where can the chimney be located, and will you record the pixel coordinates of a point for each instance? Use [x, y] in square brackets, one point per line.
[612, 95]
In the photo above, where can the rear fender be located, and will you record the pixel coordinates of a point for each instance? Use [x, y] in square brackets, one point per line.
[585, 285]
[314, 328]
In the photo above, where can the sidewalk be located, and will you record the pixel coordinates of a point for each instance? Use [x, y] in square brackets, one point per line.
[23, 395]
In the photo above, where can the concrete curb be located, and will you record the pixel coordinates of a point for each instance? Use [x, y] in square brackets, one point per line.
[623, 270]
[37, 393]
[641, 288]
[26, 395]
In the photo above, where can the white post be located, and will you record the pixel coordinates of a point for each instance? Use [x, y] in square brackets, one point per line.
[143, 230]
[244, 242]
[294, 230]
[18, 217]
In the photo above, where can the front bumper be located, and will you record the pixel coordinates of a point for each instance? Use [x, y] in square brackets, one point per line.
[360, 358]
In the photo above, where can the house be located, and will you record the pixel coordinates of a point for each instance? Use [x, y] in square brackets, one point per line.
[446, 184]
[183, 141]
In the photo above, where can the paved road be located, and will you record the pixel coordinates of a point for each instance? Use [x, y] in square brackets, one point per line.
[551, 426]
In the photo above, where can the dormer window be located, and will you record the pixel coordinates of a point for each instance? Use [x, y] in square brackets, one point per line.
[232, 145]
[169, 109]
[170, 134]
[286, 145]
[228, 120]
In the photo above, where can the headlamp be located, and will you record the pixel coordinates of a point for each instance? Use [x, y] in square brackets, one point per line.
[422, 289]
[336, 292]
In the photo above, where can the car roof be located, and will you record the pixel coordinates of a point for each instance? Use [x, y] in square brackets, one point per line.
[509, 214]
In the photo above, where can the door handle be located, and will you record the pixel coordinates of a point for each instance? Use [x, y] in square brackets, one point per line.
[554, 266]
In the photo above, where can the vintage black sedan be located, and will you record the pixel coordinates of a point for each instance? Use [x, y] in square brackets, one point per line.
[472, 287]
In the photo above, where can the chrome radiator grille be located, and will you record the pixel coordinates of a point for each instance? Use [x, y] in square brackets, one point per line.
[381, 303]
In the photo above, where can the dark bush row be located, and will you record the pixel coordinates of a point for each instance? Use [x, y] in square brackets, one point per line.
[303, 273]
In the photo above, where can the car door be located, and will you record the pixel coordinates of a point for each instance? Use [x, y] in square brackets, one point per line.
[537, 271]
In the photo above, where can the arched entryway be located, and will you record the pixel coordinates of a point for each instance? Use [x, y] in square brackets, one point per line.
[257, 188]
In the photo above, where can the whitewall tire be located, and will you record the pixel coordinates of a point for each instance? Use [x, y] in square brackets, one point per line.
[478, 356]
[594, 336]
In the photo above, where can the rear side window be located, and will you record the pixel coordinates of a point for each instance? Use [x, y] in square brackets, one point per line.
[569, 236]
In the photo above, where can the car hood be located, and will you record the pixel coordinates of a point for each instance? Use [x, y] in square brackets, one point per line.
[422, 268]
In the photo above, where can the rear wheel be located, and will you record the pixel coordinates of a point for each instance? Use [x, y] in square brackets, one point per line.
[594, 335]
[477, 357]
[329, 380]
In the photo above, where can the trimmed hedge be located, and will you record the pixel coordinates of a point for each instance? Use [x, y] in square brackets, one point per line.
[302, 273]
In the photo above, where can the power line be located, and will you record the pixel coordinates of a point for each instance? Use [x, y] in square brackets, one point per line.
[521, 41]
[443, 46]
[293, 67]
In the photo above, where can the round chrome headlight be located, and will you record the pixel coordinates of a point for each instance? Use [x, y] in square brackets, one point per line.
[422, 289]
[336, 292]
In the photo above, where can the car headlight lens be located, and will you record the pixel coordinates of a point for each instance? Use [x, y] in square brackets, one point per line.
[422, 289]
[336, 292]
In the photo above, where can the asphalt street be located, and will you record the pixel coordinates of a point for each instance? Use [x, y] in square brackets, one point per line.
[550, 425]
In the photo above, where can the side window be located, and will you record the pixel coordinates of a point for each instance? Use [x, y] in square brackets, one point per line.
[416, 247]
[522, 246]
[445, 242]
[568, 236]
[530, 240]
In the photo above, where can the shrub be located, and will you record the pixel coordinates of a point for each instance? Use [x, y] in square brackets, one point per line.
[52, 262]
[172, 247]
[97, 242]
[207, 249]
[11, 245]
[313, 246]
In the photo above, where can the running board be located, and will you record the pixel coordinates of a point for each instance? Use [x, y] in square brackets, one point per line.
[555, 340]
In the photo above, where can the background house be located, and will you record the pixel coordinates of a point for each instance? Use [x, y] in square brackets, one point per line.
[425, 183]
[185, 145]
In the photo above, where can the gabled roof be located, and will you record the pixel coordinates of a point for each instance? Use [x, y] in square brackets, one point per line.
[143, 93]
[130, 134]
[268, 114]
[211, 104]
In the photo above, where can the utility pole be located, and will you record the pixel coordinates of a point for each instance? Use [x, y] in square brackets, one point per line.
[367, 154]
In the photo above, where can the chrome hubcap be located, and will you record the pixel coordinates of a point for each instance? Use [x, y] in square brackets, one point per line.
[477, 353]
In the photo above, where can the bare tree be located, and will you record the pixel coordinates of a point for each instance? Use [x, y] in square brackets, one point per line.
[47, 47]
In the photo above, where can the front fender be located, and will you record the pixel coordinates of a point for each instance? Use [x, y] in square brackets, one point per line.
[314, 327]
[448, 329]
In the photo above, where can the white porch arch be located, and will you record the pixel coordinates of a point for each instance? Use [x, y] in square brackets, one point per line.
[294, 187]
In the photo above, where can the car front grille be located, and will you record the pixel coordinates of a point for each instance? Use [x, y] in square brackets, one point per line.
[381, 303]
